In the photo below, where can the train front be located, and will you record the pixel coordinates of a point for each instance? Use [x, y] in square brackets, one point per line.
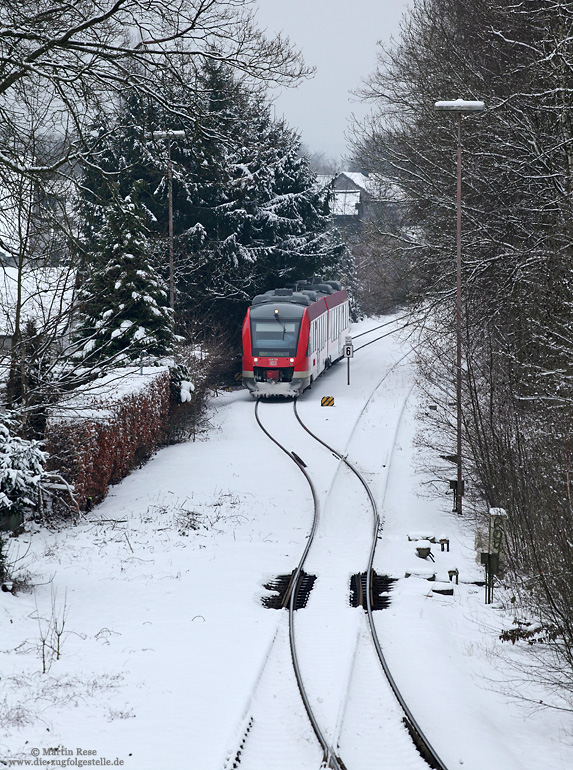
[274, 351]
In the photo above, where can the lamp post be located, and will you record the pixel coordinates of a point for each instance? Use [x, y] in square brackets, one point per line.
[168, 135]
[459, 106]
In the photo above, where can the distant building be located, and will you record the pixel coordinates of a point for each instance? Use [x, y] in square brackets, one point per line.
[44, 297]
[358, 198]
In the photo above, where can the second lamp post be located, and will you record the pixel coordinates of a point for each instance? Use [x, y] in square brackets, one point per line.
[459, 106]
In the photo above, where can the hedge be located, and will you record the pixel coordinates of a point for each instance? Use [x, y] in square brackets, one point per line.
[105, 432]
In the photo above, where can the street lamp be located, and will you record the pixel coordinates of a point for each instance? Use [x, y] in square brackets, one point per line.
[158, 135]
[459, 106]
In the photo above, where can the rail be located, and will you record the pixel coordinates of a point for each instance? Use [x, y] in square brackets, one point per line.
[329, 759]
[421, 741]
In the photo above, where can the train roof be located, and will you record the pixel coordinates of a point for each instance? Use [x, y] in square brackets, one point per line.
[283, 295]
[301, 293]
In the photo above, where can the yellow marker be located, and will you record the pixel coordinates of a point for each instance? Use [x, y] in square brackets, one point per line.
[327, 401]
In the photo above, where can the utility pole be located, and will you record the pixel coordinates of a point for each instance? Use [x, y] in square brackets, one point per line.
[158, 135]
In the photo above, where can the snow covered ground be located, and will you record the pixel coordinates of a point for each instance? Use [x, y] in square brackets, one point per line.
[156, 599]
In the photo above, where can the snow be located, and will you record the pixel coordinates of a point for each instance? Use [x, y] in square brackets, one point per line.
[98, 398]
[168, 652]
[460, 105]
[140, 333]
[186, 389]
[364, 182]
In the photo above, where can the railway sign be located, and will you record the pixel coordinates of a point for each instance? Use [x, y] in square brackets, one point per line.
[327, 401]
[348, 354]
[491, 559]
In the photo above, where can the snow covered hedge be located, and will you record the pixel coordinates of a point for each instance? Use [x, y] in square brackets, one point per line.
[109, 430]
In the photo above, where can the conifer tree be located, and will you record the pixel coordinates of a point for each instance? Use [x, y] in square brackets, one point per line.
[21, 473]
[123, 302]
[247, 213]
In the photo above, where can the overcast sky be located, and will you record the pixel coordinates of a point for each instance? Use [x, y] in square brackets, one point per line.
[339, 38]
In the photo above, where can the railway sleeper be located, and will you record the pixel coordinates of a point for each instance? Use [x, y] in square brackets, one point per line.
[237, 760]
[422, 747]
[282, 587]
[381, 585]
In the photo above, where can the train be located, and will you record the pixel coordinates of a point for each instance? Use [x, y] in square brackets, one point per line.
[291, 335]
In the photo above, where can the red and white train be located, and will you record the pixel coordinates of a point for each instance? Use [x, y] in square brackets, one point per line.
[290, 336]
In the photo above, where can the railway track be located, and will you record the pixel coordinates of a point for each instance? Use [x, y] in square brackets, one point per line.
[420, 740]
[405, 746]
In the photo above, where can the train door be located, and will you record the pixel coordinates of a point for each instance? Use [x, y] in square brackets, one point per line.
[319, 347]
[321, 343]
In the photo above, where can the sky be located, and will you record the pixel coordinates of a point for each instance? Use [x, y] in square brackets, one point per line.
[339, 39]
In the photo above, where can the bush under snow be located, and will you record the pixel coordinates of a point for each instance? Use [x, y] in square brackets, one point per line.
[21, 473]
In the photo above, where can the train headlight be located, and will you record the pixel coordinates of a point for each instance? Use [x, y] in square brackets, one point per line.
[291, 360]
[256, 360]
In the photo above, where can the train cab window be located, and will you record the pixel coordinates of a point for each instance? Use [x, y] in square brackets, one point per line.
[275, 337]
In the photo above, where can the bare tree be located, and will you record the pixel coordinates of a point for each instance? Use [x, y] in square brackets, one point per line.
[516, 273]
[61, 67]
[72, 57]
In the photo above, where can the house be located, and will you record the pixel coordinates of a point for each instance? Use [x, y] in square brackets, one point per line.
[43, 296]
[356, 198]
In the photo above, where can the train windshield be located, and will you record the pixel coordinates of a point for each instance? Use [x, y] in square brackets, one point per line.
[276, 337]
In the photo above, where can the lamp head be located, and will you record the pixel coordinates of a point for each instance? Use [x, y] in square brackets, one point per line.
[460, 105]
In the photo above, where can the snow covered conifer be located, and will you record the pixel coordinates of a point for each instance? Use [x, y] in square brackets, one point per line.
[123, 302]
[21, 471]
[247, 213]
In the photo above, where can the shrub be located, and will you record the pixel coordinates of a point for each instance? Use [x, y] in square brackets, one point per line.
[21, 475]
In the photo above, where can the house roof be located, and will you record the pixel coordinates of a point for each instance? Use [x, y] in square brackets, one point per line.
[362, 181]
